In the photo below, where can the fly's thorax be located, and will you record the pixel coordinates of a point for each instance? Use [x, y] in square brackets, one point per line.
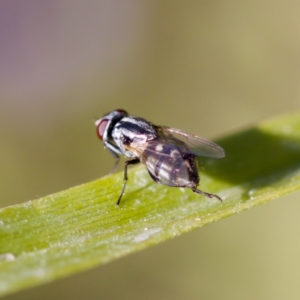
[132, 133]
[135, 127]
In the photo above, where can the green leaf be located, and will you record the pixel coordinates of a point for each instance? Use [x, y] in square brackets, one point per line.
[80, 228]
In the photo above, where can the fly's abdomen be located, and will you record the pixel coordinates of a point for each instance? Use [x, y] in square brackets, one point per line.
[169, 165]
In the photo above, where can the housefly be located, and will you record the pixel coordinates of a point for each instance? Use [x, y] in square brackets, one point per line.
[168, 153]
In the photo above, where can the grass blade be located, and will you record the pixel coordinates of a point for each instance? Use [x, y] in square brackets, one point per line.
[79, 228]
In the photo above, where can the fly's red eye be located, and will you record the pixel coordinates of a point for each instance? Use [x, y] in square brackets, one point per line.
[122, 111]
[101, 128]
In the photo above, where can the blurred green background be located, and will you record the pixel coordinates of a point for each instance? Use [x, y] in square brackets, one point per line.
[207, 67]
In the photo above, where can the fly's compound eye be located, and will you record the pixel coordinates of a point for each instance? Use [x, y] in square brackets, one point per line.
[101, 128]
[122, 111]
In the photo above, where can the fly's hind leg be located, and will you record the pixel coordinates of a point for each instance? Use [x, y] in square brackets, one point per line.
[206, 194]
[128, 162]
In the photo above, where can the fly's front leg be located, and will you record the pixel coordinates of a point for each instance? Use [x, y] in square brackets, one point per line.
[117, 159]
[128, 162]
[113, 151]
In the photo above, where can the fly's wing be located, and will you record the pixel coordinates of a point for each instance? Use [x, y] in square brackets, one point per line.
[168, 164]
[149, 149]
[197, 145]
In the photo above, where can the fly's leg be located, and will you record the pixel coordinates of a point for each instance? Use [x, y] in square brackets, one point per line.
[114, 151]
[117, 159]
[128, 162]
[206, 194]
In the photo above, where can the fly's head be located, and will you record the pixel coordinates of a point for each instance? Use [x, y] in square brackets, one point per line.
[107, 123]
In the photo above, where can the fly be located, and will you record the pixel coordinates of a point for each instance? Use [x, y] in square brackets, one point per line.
[168, 153]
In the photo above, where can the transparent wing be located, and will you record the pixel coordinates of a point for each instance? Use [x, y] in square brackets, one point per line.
[149, 149]
[166, 162]
[196, 144]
